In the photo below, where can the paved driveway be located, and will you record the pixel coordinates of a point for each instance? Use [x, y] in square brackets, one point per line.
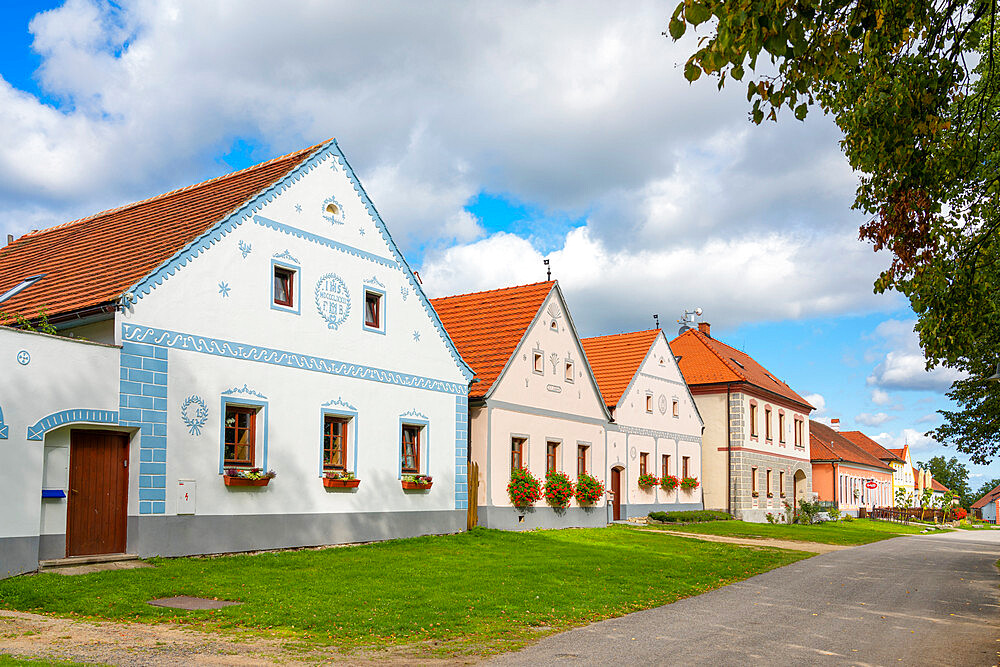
[915, 600]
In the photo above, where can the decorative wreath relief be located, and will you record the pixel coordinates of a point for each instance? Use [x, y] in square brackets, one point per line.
[663, 404]
[194, 412]
[332, 300]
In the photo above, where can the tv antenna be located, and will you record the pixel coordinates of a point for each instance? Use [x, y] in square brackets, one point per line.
[548, 269]
[656, 319]
[687, 321]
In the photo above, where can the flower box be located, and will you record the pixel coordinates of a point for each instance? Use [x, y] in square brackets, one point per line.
[416, 486]
[770, 495]
[755, 494]
[332, 483]
[244, 481]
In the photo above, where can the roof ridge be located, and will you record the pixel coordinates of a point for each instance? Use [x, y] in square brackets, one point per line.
[164, 195]
[622, 333]
[498, 289]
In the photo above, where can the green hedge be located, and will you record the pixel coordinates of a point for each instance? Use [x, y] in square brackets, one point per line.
[694, 516]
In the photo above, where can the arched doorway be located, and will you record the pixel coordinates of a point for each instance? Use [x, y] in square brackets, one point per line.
[616, 493]
[799, 486]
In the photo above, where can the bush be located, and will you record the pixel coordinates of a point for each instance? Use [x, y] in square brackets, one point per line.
[689, 483]
[669, 482]
[960, 513]
[648, 481]
[848, 518]
[588, 489]
[692, 516]
[558, 489]
[808, 511]
[524, 489]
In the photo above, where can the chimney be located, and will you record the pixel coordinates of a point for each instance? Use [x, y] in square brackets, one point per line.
[10, 239]
[835, 424]
[705, 328]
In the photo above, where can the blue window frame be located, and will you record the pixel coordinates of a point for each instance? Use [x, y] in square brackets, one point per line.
[260, 430]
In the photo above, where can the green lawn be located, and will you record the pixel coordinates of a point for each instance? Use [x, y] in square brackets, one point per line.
[11, 661]
[859, 531]
[482, 591]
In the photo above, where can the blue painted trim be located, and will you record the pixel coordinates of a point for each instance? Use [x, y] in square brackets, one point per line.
[382, 307]
[461, 452]
[56, 419]
[3, 427]
[260, 434]
[424, 446]
[296, 287]
[224, 348]
[350, 412]
[53, 493]
[322, 240]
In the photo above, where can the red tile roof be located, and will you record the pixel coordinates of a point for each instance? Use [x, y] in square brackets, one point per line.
[938, 486]
[898, 452]
[988, 498]
[870, 446]
[615, 359]
[705, 360]
[487, 327]
[92, 261]
[825, 444]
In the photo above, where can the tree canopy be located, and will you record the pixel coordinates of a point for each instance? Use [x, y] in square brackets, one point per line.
[912, 84]
[952, 473]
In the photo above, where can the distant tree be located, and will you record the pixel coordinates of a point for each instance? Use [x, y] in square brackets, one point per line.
[925, 501]
[951, 473]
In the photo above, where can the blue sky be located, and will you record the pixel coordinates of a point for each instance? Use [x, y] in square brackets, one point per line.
[489, 137]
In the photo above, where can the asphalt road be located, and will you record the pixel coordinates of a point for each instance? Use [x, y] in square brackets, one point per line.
[914, 600]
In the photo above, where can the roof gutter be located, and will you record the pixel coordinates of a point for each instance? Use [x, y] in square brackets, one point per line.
[80, 316]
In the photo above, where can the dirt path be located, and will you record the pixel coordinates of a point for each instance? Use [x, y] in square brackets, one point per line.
[161, 645]
[812, 547]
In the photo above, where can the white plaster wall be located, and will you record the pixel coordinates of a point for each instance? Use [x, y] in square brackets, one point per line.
[479, 436]
[504, 424]
[62, 374]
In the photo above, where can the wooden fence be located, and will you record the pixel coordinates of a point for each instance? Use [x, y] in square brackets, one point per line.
[907, 514]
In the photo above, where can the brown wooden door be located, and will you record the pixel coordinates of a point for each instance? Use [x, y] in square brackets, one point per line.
[616, 492]
[98, 493]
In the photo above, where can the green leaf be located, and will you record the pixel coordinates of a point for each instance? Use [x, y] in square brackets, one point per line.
[691, 71]
[697, 13]
[801, 111]
[677, 28]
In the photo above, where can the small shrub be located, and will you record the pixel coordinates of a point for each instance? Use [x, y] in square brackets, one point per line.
[524, 489]
[834, 513]
[690, 516]
[647, 481]
[558, 489]
[771, 518]
[669, 482]
[848, 518]
[588, 489]
[808, 511]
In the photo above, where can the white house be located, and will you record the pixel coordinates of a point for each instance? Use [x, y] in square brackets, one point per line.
[656, 428]
[534, 403]
[261, 320]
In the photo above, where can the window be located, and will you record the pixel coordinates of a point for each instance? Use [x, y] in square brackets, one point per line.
[685, 466]
[569, 371]
[767, 424]
[665, 465]
[517, 453]
[334, 442]
[781, 482]
[240, 435]
[539, 363]
[753, 480]
[649, 402]
[411, 448]
[581, 460]
[643, 459]
[284, 286]
[677, 408]
[798, 433]
[373, 308]
[781, 427]
[551, 452]
[753, 420]
[768, 478]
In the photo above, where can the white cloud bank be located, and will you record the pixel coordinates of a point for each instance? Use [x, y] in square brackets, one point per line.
[903, 366]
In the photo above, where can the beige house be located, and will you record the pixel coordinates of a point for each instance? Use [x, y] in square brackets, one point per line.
[534, 402]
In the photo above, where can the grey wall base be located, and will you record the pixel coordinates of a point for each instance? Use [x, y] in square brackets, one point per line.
[51, 546]
[637, 509]
[543, 516]
[18, 555]
[198, 534]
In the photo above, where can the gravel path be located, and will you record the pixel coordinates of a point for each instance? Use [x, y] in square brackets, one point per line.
[811, 547]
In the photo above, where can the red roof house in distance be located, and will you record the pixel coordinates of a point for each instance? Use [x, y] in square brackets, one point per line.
[988, 507]
[755, 447]
[846, 473]
[534, 402]
[654, 415]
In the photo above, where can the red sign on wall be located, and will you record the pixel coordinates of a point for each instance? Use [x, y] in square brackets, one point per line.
[871, 484]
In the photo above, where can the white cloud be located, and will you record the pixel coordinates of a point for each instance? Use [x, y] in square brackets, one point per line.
[926, 419]
[908, 436]
[818, 402]
[577, 108]
[876, 419]
[880, 397]
[903, 366]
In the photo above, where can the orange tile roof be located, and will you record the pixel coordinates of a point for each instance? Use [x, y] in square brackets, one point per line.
[898, 452]
[91, 261]
[870, 446]
[615, 359]
[825, 444]
[486, 327]
[705, 360]
[938, 486]
[988, 498]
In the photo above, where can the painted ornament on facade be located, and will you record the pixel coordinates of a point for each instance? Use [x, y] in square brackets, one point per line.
[23, 358]
[245, 248]
[663, 404]
[332, 300]
[333, 212]
[404, 292]
[194, 412]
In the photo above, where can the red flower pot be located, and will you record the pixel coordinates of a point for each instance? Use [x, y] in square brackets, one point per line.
[341, 483]
[243, 481]
[416, 486]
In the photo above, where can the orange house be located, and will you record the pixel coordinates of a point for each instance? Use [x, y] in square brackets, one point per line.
[845, 473]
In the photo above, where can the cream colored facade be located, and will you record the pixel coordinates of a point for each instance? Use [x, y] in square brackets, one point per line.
[541, 406]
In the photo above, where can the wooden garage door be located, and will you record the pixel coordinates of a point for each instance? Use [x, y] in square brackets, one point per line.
[98, 493]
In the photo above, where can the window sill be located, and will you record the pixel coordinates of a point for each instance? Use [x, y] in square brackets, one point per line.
[243, 481]
[341, 483]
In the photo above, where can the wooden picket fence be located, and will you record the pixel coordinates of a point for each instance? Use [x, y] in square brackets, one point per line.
[907, 514]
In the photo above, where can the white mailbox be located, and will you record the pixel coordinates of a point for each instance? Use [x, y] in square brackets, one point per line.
[185, 496]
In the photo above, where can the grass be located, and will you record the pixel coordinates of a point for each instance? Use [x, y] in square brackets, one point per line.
[859, 531]
[10, 661]
[482, 591]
